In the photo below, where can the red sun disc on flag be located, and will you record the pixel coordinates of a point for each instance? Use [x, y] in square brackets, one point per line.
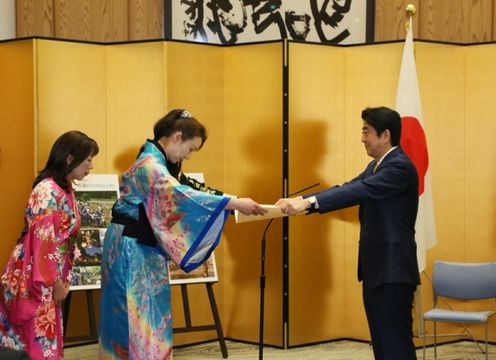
[415, 146]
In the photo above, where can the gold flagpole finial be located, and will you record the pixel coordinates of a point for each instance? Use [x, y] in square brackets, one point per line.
[410, 10]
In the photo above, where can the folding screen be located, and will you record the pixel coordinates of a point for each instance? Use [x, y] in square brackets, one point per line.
[442, 85]
[17, 139]
[479, 155]
[253, 167]
[462, 85]
[317, 134]
[328, 89]
[329, 86]
[115, 93]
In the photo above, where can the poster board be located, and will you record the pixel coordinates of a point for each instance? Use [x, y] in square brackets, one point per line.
[95, 195]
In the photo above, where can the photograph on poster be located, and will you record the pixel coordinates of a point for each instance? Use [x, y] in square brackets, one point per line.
[95, 195]
[89, 246]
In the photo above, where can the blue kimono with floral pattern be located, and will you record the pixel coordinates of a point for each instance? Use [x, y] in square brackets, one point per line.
[135, 314]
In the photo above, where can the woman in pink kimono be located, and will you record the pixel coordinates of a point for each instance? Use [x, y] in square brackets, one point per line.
[36, 279]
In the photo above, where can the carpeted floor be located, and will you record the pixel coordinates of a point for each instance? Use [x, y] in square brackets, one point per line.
[338, 350]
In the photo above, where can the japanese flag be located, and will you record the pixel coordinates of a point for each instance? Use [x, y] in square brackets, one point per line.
[413, 142]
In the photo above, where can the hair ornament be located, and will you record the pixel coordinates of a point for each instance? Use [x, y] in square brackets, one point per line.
[185, 114]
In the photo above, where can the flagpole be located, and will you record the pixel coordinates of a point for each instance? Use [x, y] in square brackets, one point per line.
[410, 11]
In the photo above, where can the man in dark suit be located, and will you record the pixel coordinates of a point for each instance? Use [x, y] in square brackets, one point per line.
[387, 192]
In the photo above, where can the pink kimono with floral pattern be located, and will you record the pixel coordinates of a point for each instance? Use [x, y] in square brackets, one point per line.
[30, 320]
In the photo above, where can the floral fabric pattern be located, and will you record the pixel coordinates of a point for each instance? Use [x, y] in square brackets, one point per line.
[29, 318]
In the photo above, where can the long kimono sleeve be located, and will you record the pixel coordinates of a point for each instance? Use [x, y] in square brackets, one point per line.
[38, 263]
[48, 231]
[187, 223]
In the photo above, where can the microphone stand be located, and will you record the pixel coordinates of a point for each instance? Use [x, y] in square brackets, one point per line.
[262, 293]
[262, 278]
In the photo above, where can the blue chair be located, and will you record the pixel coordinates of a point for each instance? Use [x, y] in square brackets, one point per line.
[465, 281]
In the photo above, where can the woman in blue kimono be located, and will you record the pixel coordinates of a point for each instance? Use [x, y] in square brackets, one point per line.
[161, 215]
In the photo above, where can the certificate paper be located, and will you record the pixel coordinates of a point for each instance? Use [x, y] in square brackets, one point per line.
[272, 212]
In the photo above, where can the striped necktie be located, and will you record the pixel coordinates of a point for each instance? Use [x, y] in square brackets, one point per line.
[376, 166]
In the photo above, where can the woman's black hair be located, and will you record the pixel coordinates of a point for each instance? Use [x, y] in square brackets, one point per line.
[74, 143]
[182, 121]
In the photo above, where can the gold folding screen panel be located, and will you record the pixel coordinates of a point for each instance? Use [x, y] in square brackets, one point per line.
[253, 168]
[329, 87]
[17, 139]
[114, 94]
[136, 97]
[71, 94]
[194, 79]
[480, 154]
[316, 152]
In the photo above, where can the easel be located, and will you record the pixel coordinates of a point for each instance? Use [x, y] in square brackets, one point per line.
[187, 317]
[93, 336]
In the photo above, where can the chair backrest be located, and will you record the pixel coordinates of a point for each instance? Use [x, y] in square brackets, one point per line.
[464, 280]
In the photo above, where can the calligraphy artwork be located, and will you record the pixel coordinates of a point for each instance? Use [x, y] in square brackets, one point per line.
[230, 22]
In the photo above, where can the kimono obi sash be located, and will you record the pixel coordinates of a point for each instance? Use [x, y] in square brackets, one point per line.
[139, 229]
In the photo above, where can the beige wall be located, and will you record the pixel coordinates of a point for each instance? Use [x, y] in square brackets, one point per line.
[115, 94]
[458, 21]
[90, 20]
[7, 20]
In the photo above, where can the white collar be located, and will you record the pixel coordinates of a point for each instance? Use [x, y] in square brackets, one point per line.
[383, 156]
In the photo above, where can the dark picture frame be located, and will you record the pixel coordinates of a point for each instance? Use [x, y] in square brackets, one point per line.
[246, 21]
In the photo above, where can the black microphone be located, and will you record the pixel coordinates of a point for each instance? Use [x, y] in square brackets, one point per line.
[305, 189]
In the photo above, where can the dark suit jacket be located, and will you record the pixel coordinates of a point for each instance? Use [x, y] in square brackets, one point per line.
[388, 203]
[9, 354]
